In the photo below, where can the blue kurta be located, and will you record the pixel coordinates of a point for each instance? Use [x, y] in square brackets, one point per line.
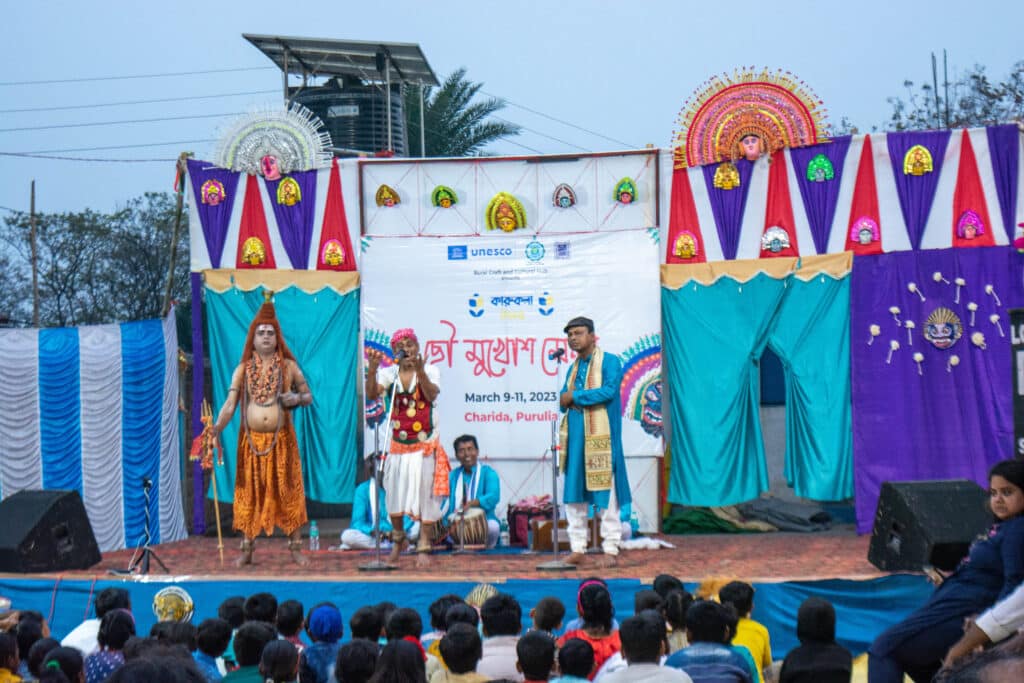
[488, 490]
[362, 519]
[608, 395]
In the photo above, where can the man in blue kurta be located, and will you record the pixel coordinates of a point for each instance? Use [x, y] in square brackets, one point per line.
[591, 442]
[473, 486]
[360, 534]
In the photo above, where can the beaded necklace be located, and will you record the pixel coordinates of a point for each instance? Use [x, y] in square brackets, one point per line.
[264, 380]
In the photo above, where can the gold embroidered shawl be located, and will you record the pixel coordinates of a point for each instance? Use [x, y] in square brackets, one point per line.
[597, 432]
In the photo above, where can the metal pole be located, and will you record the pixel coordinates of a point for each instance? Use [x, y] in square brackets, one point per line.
[945, 83]
[387, 81]
[423, 130]
[284, 77]
[182, 170]
[935, 87]
[35, 260]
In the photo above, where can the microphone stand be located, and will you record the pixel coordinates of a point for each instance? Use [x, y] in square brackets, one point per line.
[378, 564]
[555, 564]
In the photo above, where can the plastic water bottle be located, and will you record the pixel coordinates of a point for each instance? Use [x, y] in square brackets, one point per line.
[504, 542]
[314, 536]
[634, 522]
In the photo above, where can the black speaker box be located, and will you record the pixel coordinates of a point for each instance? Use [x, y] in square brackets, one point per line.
[919, 523]
[44, 531]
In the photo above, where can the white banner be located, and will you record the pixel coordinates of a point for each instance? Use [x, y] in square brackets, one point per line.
[489, 311]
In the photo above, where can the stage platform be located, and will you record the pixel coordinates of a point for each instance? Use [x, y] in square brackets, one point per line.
[785, 569]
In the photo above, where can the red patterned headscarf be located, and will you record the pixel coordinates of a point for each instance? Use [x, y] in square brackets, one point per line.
[404, 333]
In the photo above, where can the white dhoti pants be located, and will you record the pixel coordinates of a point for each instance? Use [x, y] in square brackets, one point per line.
[357, 540]
[611, 526]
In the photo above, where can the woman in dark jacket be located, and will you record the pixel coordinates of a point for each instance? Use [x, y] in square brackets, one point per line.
[992, 569]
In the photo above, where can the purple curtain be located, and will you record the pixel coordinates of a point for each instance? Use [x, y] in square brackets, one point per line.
[214, 219]
[295, 223]
[940, 424]
[1003, 147]
[727, 206]
[198, 487]
[820, 198]
[916, 192]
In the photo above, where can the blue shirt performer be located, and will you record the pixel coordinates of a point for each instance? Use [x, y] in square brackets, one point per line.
[359, 535]
[591, 442]
[473, 487]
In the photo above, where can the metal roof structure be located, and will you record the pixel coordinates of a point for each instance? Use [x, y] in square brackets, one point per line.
[367, 60]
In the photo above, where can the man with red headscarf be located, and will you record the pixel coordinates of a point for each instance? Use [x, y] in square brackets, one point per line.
[416, 469]
[268, 475]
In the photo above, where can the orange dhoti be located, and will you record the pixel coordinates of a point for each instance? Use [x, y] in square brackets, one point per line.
[268, 488]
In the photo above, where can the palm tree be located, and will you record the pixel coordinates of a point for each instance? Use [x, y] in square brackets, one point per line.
[455, 126]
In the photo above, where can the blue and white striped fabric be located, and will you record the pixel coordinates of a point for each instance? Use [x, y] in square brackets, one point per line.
[95, 409]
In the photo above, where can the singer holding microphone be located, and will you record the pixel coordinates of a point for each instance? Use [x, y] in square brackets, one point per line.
[416, 469]
[590, 438]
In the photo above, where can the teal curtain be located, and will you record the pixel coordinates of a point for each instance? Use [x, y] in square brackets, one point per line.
[714, 337]
[811, 335]
[322, 330]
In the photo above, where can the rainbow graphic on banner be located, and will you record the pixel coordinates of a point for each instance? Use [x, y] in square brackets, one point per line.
[640, 390]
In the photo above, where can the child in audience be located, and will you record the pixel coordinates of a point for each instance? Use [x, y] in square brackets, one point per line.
[69, 661]
[212, 639]
[818, 658]
[116, 627]
[575, 661]
[594, 604]
[356, 661]
[289, 623]
[749, 633]
[535, 656]
[9, 661]
[279, 662]
[461, 649]
[324, 628]
[547, 615]
[676, 604]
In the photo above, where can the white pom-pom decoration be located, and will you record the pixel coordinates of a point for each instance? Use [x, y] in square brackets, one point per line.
[909, 324]
[978, 339]
[991, 291]
[953, 361]
[918, 357]
[972, 307]
[893, 346]
[994, 319]
[875, 330]
[937, 276]
[913, 288]
[895, 310]
[960, 282]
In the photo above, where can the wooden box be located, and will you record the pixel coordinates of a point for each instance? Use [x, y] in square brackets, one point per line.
[541, 529]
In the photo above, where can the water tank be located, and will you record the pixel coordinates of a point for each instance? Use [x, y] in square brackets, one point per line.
[355, 114]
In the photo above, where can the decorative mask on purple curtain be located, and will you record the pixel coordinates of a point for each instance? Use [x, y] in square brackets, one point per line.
[970, 225]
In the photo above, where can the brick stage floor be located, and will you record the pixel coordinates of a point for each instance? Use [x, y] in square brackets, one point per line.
[838, 553]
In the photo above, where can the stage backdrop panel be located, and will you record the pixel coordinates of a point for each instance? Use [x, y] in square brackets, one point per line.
[977, 169]
[319, 316]
[593, 179]
[924, 410]
[719, 318]
[489, 310]
[95, 409]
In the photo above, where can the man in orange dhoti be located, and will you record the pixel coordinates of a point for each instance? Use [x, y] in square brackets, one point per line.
[268, 474]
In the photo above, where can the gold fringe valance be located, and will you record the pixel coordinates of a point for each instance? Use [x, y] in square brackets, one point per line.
[674, 276]
[309, 281]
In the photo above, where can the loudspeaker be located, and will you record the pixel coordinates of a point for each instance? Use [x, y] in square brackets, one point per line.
[43, 531]
[919, 523]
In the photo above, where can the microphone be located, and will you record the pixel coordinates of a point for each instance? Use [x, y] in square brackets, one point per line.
[556, 354]
[400, 355]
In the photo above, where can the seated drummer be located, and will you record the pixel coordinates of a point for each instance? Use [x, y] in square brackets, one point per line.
[360, 535]
[473, 486]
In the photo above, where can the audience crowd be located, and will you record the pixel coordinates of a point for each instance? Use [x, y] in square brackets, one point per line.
[967, 631]
[479, 638]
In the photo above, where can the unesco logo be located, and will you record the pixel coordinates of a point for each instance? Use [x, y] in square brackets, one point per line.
[535, 251]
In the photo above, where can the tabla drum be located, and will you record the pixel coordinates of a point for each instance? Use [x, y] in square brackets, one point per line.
[473, 527]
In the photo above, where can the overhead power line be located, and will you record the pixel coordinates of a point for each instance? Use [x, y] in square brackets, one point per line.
[118, 123]
[96, 149]
[130, 102]
[557, 120]
[124, 78]
[50, 157]
[543, 135]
